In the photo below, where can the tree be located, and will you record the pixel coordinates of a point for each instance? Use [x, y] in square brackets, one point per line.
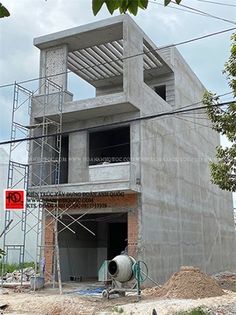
[3, 11]
[123, 5]
[223, 172]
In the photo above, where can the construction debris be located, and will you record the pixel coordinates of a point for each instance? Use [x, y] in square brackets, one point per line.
[226, 280]
[15, 276]
[3, 306]
[188, 283]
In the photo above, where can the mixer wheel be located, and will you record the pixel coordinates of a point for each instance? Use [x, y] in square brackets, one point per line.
[105, 294]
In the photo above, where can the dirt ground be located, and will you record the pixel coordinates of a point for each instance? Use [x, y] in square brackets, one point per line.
[48, 302]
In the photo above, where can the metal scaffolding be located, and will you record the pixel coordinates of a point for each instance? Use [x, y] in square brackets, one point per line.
[17, 178]
[42, 167]
[34, 168]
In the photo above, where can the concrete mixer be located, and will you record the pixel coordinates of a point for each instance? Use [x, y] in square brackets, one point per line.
[126, 275]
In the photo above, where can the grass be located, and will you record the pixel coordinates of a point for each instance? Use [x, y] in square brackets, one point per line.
[194, 311]
[118, 310]
[12, 267]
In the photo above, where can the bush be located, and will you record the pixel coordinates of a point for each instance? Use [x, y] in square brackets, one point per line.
[8, 268]
[2, 253]
[194, 311]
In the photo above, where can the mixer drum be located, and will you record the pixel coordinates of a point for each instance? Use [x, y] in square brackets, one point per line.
[120, 268]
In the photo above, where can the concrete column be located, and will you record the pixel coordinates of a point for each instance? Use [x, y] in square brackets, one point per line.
[132, 67]
[49, 246]
[135, 150]
[133, 228]
[52, 62]
[78, 157]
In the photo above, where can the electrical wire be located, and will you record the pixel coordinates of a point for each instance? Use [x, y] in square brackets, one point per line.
[218, 3]
[195, 117]
[119, 123]
[175, 116]
[126, 58]
[189, 9]
[199, 102]
[175, 8]
[205, 13]
[193, 122]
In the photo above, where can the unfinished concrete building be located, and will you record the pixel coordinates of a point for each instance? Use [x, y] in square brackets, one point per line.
[144, 184]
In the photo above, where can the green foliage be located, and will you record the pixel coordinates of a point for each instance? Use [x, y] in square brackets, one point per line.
[2, 253]
[195, 311]
[12, 267]
[230, 66]
[223, 172]
[118, 310]
[3, 11]
[166, 2]
[131, 6]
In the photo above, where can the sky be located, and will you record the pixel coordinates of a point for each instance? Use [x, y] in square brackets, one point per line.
[19, 59]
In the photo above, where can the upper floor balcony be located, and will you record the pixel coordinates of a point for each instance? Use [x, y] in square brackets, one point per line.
[114, 56]
[101, 178]
[101, 160]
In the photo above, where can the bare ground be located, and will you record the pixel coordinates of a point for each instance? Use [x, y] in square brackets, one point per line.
[48, 302]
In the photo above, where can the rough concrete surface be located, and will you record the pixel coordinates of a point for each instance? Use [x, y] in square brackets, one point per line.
[183, 219]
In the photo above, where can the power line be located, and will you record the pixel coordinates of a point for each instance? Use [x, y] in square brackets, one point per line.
[195, 123]
[205, 13]
[128, 57]
[119, 123]
[175, 116]
[194, 11]
[218, 3]
[199, 102]
[175, 8]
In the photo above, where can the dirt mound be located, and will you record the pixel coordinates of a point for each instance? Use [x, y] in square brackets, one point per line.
[188, 283]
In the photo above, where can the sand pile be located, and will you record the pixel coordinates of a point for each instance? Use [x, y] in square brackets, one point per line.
[188, 283]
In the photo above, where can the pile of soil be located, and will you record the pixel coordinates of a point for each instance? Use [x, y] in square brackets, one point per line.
[188, 283]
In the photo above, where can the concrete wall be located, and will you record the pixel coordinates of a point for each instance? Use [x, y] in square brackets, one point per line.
[169, 81]
[53, 61]
[181, 218]
[113, 171]
[79, 170]
[185, 220]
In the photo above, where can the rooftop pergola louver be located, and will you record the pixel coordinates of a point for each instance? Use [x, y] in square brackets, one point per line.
[104, 62]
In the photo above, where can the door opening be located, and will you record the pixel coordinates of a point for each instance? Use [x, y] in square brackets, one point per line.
[117, 239]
